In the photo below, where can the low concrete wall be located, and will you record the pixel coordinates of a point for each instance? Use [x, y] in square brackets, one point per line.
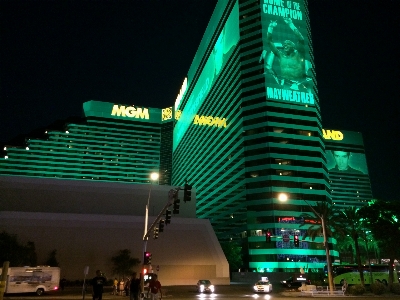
[185, 252]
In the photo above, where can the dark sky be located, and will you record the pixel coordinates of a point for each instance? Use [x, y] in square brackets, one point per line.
[55, 55]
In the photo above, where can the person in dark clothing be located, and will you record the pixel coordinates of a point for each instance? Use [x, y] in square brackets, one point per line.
[63, 283]
[134, 287]
[127, 286]
[98, 283]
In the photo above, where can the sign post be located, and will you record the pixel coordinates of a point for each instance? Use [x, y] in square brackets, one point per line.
[286, 238]
[85, 273]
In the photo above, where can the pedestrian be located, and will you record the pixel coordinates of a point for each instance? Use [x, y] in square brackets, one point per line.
[98, 283]
[134, 288]
[344, 286]
[121, 287]
[63, 283]
[115, 285]
[154, 288]
[127, 286]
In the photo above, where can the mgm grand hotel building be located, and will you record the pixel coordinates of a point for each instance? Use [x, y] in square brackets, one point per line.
[244, 130]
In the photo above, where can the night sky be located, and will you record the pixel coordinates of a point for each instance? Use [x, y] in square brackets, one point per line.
[55, 55]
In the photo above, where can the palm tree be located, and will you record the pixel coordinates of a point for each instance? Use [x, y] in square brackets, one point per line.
[352, 222]
[383, 219]
[371, 244]
[332, 226]
[333, 222]
[345, 246]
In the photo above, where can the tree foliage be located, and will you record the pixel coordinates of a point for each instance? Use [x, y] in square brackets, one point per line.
[345, 247]
[333, 223]
[17, 254]
[123, 263]
[52, 259]
[383, 219]
[233, 254]
[353, 225]
[333, 226]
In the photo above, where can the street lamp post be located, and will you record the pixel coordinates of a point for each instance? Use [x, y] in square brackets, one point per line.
[153, 177]
[283, 197]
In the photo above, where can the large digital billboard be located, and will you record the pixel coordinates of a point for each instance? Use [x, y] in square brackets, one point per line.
[339, 155]
[286, 52]
[223, 48]
[344, 162]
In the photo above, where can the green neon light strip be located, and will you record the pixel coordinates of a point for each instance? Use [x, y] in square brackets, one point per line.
[226, 42]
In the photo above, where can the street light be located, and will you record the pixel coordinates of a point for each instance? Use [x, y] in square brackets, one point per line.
[153, 177]
[283, 197]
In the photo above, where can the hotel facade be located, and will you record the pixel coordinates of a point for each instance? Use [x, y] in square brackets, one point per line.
[248, 129]
[245, 129]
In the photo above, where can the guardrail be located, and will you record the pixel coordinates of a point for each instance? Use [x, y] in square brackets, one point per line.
[319, 291]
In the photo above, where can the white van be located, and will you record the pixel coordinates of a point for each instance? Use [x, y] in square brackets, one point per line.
[32, 279]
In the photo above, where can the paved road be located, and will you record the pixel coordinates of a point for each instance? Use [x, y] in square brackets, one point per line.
[233, 292]
[168, 293]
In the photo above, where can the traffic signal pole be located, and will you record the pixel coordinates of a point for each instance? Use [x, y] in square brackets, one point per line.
[172, 194]
[159, 216]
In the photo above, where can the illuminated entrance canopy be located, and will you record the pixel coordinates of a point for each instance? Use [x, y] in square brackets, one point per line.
[130, 112]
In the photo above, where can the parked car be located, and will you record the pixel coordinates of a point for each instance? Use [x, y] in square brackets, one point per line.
[295, 281]
[263, 286]
[205, 286]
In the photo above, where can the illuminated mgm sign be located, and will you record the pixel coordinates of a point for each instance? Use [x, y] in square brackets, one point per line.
[210, 121]
[205, 120]
[130, 112]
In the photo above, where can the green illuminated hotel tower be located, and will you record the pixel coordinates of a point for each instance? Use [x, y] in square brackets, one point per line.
[347, 167]
[248, 129]
[111, 143]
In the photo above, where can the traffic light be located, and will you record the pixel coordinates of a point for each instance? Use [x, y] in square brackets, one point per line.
[161, 226]
[176, 206]
[147, 258]
[167, 216]
[155, 233]
[187, 193]
[268, 237]
[296, 240]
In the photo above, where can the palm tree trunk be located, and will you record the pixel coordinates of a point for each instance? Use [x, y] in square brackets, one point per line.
[351, 255]
[369, 260]
[358, 257]
[391, 275]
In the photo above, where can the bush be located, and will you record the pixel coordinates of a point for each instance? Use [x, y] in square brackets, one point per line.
[356, 290]
[318, 282]
[395, 288]
[377, 288]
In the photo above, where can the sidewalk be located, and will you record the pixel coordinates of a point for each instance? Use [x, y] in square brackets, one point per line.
[325, 295]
